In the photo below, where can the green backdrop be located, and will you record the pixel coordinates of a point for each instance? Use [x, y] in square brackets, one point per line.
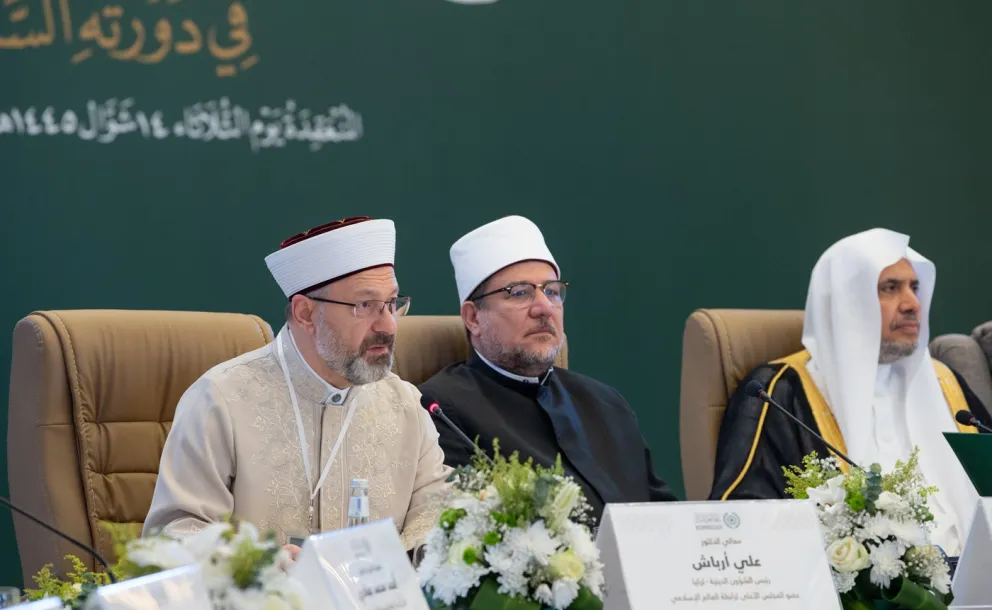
[677, 154]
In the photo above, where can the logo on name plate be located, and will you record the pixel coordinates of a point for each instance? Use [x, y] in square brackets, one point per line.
[732, 520]
[717, 521]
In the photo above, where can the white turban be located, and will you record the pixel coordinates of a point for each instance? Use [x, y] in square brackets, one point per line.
[332, 251]
[501, 243]
[842, 331]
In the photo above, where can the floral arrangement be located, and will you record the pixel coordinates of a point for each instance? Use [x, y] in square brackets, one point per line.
[877, 531]
[512, 536]
[241, 569]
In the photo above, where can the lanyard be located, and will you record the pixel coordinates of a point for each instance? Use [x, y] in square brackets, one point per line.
[314, 490]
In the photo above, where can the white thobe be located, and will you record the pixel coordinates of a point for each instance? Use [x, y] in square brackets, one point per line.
[234, 448]
[890, 443]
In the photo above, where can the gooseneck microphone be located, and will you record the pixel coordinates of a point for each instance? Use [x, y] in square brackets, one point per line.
[434, 408]
[967, 418]
[756, 390]
[60, 534]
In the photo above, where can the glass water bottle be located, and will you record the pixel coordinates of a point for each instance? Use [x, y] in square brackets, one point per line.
[358, 504]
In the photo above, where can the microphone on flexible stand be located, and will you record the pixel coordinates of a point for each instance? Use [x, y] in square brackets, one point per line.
[756, 390]
[967, 418]
[435, 409]
[60, 534]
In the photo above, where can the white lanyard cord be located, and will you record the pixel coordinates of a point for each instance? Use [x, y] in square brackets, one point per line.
[314, 490]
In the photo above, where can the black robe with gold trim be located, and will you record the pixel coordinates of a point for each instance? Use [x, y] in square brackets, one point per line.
[756, 441]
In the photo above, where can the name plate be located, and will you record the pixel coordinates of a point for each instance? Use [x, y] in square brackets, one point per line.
[971, 585]
[176, 589]
[715, 555]
[45, 603]
[359, 568]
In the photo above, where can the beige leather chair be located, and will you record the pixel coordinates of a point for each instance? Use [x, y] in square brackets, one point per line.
[92, 396]
[971, 356]
[719, 348]
[427, 344]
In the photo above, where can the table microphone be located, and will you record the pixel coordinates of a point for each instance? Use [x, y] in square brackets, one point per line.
[756, 390]
[967, 418]
[60, 534]
[435, 409]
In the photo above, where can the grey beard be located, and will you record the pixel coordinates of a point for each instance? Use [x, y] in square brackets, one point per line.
[891, 352]
[352, 366]
[360, 371]
[517, 360]
[523, 362]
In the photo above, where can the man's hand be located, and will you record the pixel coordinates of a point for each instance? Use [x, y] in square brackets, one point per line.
[293, 551]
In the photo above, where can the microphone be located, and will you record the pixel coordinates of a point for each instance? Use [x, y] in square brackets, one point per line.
[756, 390]
[60, 534]
[435, 409]
[966, 418]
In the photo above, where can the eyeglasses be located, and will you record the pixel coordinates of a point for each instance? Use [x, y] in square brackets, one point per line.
[523, 293]
[398, 306]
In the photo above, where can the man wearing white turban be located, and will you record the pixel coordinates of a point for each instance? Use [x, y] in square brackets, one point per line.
[513, 305]
[865, 382]
[277, 436]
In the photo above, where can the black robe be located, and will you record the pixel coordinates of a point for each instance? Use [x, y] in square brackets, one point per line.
[587, 422]
[782, 442]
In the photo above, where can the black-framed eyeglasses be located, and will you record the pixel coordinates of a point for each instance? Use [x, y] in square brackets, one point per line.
[398, 306]
[523, 293]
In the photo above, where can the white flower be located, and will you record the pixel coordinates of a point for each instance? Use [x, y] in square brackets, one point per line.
[577, 538]
[941, 581]
[561, 506]
[543, 594]
[161, 553]
[563, 593]
[829, 493]
[456, 554]
[206, 541]
[538, 542]
[891, 503]
[848, 555]
[594, 580]
[906, 533]
[567, 565]
[843, 581]
[886, 564]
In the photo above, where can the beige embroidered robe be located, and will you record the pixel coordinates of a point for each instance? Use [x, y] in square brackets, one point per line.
[234, 449]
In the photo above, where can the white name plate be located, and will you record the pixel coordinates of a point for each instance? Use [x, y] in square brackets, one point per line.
[359, 568]
[715, 556]
[176, 589]
[45, 603]
[971, 585]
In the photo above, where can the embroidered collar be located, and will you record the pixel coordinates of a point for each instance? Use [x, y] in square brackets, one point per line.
[308, 384]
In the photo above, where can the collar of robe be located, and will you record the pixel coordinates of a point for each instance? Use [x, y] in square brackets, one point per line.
[527, 388]
[308, 384]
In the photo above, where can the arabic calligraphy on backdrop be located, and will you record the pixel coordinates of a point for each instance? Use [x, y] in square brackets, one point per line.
[212, 121]
[108, 31]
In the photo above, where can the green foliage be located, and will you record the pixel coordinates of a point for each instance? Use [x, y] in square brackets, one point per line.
[247, 563]
[492, 538]
[80, 582]
[450, 517]
[812, 473]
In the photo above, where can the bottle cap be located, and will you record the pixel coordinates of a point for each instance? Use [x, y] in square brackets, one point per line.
[360, 483]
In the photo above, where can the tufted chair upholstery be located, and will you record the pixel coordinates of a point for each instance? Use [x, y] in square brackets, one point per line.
[92, 396]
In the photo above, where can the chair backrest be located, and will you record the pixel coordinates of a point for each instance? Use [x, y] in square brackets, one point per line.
[92, 397]
[427, 344]
[971, 356]
[719, 348]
